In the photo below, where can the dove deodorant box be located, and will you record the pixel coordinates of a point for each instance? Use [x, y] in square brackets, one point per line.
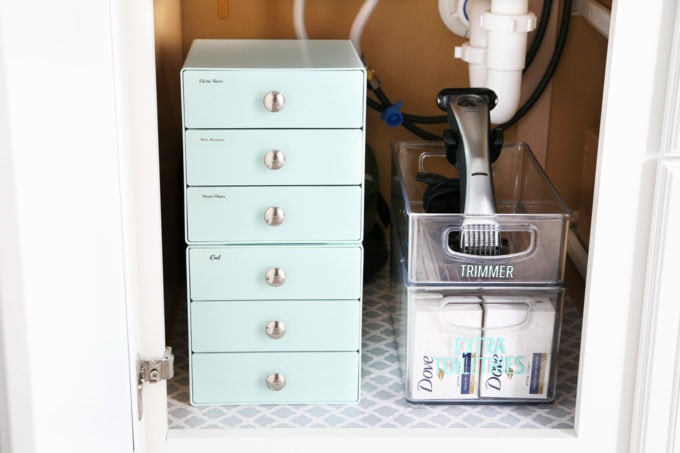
[445, 349]
[517, 348]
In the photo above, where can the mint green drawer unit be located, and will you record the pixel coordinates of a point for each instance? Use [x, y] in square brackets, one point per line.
[274, 157]
[300, 325]
[273, 214]
[274, 137]
[275, 273]
[275, 378]
[308, 99]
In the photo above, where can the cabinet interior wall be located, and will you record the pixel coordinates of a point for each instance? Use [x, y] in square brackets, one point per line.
[412, 53]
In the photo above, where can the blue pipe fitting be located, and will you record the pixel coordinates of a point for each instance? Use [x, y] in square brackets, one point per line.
[392, 116]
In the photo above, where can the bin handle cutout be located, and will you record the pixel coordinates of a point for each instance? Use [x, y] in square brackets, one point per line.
[503, 229]
[425, 155]
[445, 325]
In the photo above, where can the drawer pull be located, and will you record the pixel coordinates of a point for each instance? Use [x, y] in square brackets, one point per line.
[274, 216]
[275, 329]
[275, 276]
[274, 159]
[274, 101]
[275, 382]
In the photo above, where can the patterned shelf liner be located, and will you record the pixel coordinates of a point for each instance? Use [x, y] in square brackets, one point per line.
[382, 403]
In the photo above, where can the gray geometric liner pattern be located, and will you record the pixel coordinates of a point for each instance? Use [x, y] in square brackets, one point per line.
[382, 403]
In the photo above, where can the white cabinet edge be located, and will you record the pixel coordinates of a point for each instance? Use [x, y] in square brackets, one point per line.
[655, 414]
[671, 134]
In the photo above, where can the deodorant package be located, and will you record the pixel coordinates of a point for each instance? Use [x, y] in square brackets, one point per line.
[476, 346]
[518, 347]
[444, 348]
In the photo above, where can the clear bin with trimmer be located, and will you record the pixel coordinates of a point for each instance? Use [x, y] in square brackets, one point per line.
[478, 250]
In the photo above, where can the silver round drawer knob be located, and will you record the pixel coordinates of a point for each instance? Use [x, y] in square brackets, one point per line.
[275, 382]
[274, 101]
[274, 159]
[275, 276]
[275, 329]
[274, 216]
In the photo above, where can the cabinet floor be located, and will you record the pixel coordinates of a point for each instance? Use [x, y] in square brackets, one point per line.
[382, 403]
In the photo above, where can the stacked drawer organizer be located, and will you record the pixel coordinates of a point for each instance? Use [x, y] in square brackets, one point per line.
[274, 172]
[470, 328]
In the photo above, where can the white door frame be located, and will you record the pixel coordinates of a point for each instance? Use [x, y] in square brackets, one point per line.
[657, 404]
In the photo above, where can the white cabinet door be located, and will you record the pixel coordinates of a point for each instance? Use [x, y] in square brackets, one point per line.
[63, 292]
[132, 37]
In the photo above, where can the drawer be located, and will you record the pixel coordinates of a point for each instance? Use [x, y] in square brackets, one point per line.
[275, 272]
[241, 378]
[295, 214]
[249, 326]
[235, 99]
[274, 157]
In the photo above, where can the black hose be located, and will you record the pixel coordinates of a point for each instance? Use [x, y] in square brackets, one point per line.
[531, 54]
[435, 119]
[409, 119]
[384, 102]
[422, 133]
[382, 97]
[540, 33]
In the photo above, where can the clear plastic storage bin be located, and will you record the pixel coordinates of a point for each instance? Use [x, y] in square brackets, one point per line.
[471, 328]
[477, 345]
[532, 218]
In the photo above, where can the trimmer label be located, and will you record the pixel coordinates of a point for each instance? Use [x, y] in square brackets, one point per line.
[504, 271]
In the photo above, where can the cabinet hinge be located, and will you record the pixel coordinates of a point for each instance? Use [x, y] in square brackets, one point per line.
[152, 371]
